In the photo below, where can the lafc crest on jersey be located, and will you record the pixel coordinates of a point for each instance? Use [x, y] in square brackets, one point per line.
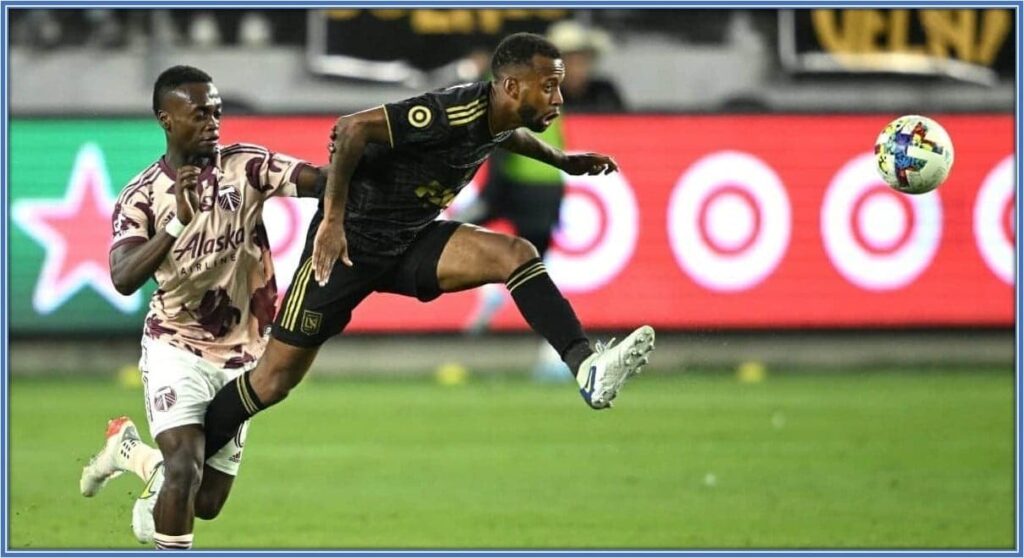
[434, 194]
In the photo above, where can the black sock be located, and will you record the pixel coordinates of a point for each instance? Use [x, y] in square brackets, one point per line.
[233, 405]
[548, 313]
[576, 354]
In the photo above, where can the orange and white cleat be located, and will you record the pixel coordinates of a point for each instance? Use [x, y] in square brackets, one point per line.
[108, 463]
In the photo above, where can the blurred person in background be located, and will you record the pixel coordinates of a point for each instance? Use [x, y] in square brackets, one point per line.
[583, 89]
[393, 170]
[529, 193]
[93, 28]
[192, 220]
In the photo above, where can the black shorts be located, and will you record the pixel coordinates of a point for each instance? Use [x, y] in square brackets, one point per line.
[312, 314]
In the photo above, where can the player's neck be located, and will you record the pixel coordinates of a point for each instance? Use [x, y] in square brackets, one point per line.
[176, 159]
[500, 116]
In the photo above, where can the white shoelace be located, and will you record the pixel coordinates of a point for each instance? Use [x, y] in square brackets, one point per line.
[600, 347]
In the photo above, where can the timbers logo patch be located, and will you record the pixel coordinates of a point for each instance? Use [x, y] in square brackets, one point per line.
[164, 399]
[228, 198]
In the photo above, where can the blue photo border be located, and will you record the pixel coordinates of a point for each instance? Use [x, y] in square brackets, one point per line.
[5, 5]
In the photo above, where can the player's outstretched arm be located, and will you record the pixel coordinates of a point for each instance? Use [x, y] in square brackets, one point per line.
[528, 145]
[311, 181]
[131, 265]
[349, 137]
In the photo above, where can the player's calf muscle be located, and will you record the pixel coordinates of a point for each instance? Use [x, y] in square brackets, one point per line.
[208, 506]
[273, 386]
[282, 369]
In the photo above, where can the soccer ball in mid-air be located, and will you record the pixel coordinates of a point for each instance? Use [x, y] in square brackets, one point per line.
[914, 154]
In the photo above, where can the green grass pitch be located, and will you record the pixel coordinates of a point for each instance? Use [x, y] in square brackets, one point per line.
[876, 459]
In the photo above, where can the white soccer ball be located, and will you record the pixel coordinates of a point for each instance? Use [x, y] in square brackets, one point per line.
[914, 154]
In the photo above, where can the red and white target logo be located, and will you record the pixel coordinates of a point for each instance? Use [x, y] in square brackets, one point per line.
[993, 220]
[597, 235]
[878, 239]
[729, 221]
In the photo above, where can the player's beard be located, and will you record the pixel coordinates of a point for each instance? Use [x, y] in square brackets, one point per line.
[530, 118]
[204, 156]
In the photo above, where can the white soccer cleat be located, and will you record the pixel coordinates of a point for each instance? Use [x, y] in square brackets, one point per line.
[603, 373]
[142, 512]
[105, 465]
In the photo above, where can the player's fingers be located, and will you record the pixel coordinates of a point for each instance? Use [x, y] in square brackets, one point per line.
[322, 271]
[327, 259]
[319, 272]
[344, 257]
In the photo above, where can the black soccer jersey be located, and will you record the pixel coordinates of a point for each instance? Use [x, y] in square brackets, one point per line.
[437, 142]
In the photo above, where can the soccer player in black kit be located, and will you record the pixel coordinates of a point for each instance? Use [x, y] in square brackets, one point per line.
[393, 169]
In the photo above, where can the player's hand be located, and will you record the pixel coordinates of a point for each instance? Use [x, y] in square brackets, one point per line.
[185, 194]
[329, 246]
[589, 163]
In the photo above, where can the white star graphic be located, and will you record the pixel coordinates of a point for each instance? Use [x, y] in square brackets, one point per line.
[76, 234]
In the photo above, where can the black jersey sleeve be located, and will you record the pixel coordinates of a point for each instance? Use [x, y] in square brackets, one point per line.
[418, 120]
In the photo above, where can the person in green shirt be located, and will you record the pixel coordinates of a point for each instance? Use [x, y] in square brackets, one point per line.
[529, 194]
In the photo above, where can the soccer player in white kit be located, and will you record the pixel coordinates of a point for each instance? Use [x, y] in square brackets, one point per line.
[193, 221]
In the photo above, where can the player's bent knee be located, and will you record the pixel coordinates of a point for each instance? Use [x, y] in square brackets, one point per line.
[520, 252]
[183, 473]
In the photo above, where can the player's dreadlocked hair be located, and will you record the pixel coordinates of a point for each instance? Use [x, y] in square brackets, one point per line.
[173, 77]
[519, 49]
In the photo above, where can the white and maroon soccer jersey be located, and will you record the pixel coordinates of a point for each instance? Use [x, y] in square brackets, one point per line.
[216, 291]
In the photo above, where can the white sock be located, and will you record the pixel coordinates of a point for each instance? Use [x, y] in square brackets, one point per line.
[173, 542]
[138, 458]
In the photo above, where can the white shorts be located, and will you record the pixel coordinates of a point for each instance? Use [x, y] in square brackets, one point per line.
[178, 387]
